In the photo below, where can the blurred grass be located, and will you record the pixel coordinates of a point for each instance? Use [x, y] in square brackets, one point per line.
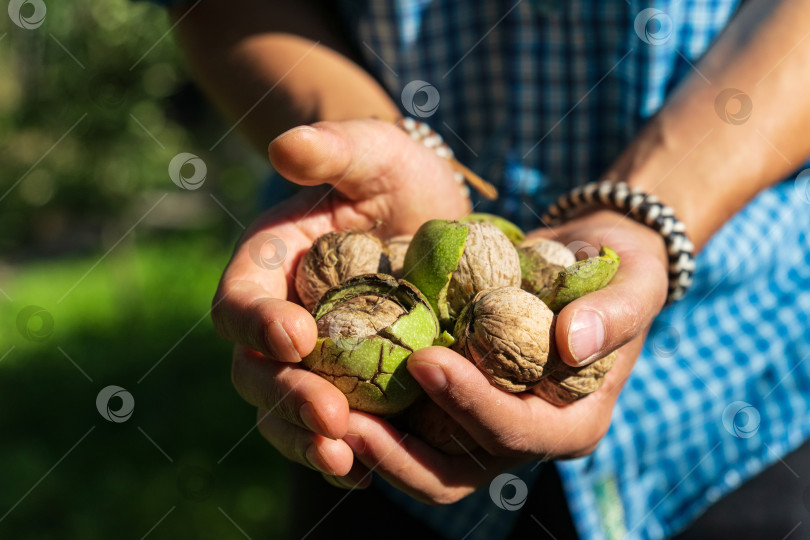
[145, 305]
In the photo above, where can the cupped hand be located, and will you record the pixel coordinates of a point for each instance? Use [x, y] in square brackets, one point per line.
[368, 173]
[514, 428]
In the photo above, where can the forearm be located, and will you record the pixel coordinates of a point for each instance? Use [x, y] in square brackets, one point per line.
[706, 168]
[238, 53]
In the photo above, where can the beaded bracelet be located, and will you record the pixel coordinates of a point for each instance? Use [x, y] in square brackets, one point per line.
[421, 132]
[643, 208]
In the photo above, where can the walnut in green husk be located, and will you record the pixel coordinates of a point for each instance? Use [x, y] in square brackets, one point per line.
[433, 425]
[566, 384]
[512, 231]
[581, 278]
[367, 328]
[451, 261]
[506, 333]
[335, 257]
[541, 260]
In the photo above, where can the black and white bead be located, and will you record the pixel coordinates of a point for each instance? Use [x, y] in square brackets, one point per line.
[645, 209]
[421, 132]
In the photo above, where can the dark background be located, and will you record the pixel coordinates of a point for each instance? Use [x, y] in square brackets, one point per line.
[122, 264]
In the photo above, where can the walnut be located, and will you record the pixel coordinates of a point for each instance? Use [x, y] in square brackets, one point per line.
[512, 231]
[551, 251]
[451, 261]
[367, 328]
[396, 248]
[566, 384]
[506, 333]
[335, 257]
[541, 261]
[581, 278]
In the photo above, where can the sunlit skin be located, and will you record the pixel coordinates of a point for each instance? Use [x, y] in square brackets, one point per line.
[703, 167]
[378, 169]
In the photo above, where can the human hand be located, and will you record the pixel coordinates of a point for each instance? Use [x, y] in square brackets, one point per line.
[513, 428]
[374, 174]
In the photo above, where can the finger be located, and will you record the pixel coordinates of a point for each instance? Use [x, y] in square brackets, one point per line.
[602, 321]
[244, 312]
[358, 478]
[375, 164]
[496, 419]
[290, 392]
[351, 153]
[325, 455]
[511, 425]
[410, 465]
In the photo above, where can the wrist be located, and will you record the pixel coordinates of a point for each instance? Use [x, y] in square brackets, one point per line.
[648, 165]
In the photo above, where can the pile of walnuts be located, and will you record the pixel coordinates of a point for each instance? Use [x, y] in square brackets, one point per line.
[476, 285]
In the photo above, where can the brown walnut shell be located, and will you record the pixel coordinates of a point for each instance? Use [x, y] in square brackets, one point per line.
[506, 332]
[433, 425]
[489, 260]
[551, 251]
[335, 257]
[541, 261]
[566, 384]
[396, 247]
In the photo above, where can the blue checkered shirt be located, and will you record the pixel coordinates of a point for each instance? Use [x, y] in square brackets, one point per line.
[540, 96]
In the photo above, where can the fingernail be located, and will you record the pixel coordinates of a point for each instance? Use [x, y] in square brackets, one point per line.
[281, 344]
[312, 457]
[292, 131]
[311, 419]
[355, 442]
[429, 376]
[586, 335]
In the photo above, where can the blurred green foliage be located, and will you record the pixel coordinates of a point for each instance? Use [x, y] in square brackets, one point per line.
[144, 307]
[93, 105]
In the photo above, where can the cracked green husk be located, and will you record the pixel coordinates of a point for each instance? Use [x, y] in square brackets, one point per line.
[581, 278]
[432, 257]
[537, 275]
[371, 369]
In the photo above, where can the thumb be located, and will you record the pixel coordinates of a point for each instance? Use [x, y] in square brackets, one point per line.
[457, 386]
[383, 173]
[602, 321]
[362, 158]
